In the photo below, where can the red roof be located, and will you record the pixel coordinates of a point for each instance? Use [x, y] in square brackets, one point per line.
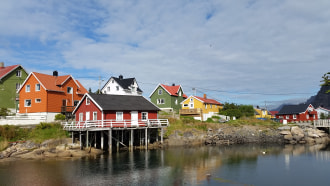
[210, 101]
[173, 90]
[274, 112]
[6, 70]
[53, 83]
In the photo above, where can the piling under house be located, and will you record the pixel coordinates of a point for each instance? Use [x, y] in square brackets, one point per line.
[115, 121]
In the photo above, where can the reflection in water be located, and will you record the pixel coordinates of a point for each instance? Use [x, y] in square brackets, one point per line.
[225, 165]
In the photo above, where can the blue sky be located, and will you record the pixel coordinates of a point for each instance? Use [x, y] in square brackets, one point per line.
[246, 51]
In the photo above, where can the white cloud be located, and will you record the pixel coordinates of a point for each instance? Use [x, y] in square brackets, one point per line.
[232, 47]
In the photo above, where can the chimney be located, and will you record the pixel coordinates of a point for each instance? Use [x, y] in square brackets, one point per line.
[121, 77]
[55, 73]
[204, 96]
[173, 84]
[2, 64]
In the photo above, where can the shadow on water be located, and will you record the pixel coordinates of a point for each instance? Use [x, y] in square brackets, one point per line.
[205, 165]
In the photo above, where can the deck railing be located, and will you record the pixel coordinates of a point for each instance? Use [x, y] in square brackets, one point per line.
[322, 123]
[190, 111]
[151, 123]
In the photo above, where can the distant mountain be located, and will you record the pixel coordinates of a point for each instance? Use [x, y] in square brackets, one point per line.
[321, 98]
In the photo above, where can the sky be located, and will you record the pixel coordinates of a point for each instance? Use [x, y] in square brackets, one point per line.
[252, 52]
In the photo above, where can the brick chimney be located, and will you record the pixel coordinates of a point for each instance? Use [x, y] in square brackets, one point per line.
[2, 64]
[204, 96]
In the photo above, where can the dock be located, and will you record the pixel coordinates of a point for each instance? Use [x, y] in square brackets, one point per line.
[113, 134]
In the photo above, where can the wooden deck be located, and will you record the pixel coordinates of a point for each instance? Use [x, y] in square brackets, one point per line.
[98, 125]
[322, 123]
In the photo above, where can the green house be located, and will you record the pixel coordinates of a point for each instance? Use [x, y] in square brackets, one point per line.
[11, 78]
[168, 98]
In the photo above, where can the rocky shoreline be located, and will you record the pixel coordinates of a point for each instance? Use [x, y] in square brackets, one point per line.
[222, 135]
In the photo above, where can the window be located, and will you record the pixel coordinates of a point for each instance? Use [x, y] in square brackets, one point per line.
[144, 116]
[307, 116]
[69, 90]
[119, 116]
[160, 91]
[18, 73]
[294, 116]
[160, 101]
[210, 105]
[75, 102]
[185, 105]
[87, 101]
[117, 88]
[87, 116]
[38, 100]
[27, 103]
[176, 101]
[38, 87]
[287, 117]
[108, 89]
[94, 115]
[18, 85]
[27, 88]
[191, 100]
[205, 106]
[180, 93]
[81, 116]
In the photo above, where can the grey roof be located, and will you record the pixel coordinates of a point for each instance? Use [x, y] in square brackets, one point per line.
[124, 83]
[123, 102]
[293, 109]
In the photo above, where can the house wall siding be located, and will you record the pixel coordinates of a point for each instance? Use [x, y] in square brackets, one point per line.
[8, 88]
[83, 108]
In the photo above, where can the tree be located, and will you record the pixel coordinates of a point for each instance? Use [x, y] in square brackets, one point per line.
[231, 109]
[326, 81]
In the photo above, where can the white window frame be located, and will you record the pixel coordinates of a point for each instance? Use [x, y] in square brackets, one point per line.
[81, 116]
[88, 116]
[205, 106]
[18, 86]
[88, 101]
[18, 73]
[108, 89]
[69, 90]
[144, 116]
[38, 87]
[27, 103]
[307, 116]
[160, 91]
[294, 116]
[176, 101]
[94, 116]
[287, 117]
[27, 88]
[38, 100]
[160, 101]
[119, 116]
[117, 88]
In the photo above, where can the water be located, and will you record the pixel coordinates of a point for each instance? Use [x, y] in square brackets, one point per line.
[225, 165]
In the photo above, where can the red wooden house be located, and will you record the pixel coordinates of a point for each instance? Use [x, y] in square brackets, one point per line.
[298, 113]
[104, 110]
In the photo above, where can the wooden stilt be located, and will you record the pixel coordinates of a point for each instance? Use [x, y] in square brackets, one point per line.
[95, 142]
[102, 140]
[110, 140]
[87, 140]
[146, 138]
[80, 138]
[72, 136]
[161, 135]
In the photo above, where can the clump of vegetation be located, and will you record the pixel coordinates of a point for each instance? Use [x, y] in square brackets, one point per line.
[238, 111]
[60, 117]
[4, 112]
[40, 133]
[45, 131]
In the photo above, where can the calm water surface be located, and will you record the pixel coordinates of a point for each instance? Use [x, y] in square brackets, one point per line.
[226, 165]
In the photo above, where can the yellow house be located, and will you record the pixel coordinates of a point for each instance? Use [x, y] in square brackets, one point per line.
[200, 107]
[262, 114]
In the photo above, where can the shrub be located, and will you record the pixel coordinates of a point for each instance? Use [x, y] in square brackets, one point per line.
[59, 117]
[4, 112]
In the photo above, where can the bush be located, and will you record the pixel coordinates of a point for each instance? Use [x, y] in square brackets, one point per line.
[4, 112]
[59, 117]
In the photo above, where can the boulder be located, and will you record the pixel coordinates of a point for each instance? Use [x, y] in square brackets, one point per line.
[285, 132]
[288, 137]
[297, 131]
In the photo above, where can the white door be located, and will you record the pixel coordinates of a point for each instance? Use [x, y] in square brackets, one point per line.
[134, 118]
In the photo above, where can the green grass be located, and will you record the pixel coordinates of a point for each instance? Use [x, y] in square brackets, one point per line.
[40, 133]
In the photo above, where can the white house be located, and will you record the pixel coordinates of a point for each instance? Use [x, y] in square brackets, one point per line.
[121, 86]
[321, 110]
